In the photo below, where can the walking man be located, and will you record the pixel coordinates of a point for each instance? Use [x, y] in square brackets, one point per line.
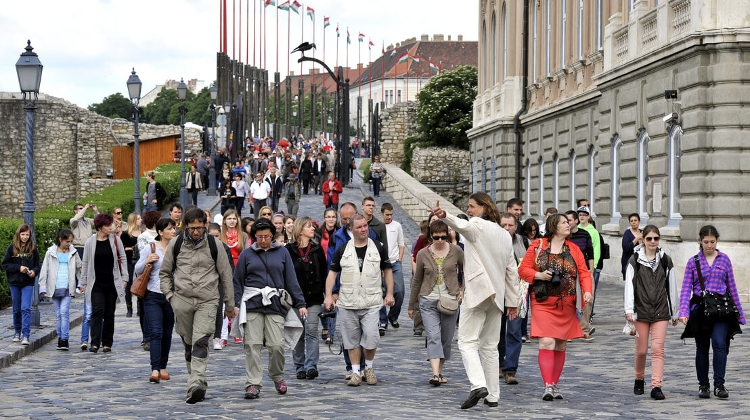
[395, 235]
[259, 191]
[190, 280]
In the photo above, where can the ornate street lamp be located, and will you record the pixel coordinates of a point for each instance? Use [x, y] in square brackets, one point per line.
[294, 113]
[134, 91]
[181, 95]
[214, 91]
[29, 70]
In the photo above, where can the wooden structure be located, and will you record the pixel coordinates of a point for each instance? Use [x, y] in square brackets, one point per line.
[154, 152]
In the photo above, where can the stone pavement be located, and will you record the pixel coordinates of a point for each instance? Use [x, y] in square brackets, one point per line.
[597, 380]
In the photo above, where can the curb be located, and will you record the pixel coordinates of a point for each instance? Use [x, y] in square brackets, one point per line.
[7, 359]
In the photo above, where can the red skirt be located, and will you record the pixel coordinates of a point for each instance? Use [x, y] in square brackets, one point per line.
[555, 317]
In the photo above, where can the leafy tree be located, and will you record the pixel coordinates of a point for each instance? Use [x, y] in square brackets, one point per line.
[113, 106]
[198, 111]
[444, 111]
[158, 111]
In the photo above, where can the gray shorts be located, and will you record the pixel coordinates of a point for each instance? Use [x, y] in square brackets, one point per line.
[359, 327]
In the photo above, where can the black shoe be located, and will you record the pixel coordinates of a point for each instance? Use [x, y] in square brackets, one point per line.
[312, 373]
[381, 330]
[195, 394]
[721, 392]
[474, 397]
[59, 344]
[129, 314]
[63, 345]
[657, 394]
[395, 323]
[490, 403]
[301, 375]
[704, 391]
[638, 387]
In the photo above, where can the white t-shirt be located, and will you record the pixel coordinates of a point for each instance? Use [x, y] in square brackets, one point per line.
[395, 235]
[260, 191]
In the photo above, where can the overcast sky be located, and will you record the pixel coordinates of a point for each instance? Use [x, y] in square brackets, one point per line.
[88, 47]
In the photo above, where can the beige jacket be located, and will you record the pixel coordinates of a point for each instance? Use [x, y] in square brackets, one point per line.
[119, 271]
[426, 273]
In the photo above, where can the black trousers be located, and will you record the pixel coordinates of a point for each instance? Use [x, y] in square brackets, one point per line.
[103, 317]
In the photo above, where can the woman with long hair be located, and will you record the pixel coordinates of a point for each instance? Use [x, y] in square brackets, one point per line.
[228, 195]
[278, 222]
[630, 239]
[21, 265]
[556, 269]
[231, 234]
[103, 279]
[651, 302]
[159, 316]
[709, 271]
[247, 224]
[310, 267]
[289, 228]
[531, 229]
[59, 274]
[130, 241]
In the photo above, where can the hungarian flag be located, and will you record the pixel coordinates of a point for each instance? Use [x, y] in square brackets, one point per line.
[295, 6]
[361, 37]
[415, 58]
[404, 57]
[393, 53]
[338, 34]
[270, 3]
[326, 22]
[311, 13]
[434, 67]
[348, 38]
[371, 44]
[284, 6]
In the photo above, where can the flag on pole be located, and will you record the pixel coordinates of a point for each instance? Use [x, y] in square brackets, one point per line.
[348, 38]
[371, 44]
[338, 34]
[404, 57]
[327, 23]
[434, 67]
[284, 6]
[295, 6]
[415, 59]
[393, 54]
[311, 13]
[383, 53]
[270, 3]
[361, 37]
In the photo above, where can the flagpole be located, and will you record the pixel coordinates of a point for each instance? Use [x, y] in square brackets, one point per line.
[247, 31]
[288, 40]
[324, 48]
[255, 33]
[359, 65]
[277, 37]
[239, 47]
[313, 51]
[369, 58]
[265, 41]
[382, 77]
[337, 44]
[302, 39]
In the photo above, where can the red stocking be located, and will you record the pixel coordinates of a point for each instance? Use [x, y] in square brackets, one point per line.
[559, 363]
[546, 365]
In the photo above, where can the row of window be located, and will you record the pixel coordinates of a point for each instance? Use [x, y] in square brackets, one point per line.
[673, 179]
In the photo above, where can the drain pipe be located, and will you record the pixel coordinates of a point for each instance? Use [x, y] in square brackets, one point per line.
[524, 103]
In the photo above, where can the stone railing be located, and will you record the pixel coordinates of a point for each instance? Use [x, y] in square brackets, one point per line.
[681, 16]
[649, 32]
[412, 196]
[621, 45]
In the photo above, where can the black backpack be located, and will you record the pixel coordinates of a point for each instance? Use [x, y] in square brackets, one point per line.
[178, 245]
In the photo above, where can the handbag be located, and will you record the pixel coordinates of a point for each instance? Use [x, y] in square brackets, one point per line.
[716, 307]
[445, 304]
[140, 284]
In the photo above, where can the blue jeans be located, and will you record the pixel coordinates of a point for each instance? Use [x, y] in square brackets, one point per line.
[21, 296]
[148, 207]
[376, 186]
[309, 341]
[62, 316]
[597, 273]
[159, 322]
[398, 295]
[85, 325]
[717, 341]
[509, 347]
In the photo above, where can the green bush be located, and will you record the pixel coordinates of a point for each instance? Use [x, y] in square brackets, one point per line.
[409, 145]
[47, 221]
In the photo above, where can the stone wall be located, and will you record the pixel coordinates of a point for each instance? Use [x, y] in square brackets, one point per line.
[397, 123]
[412, 196]
[70, 143]
[445, 170]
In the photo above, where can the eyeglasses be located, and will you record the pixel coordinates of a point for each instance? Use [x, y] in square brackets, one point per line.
[263, 237]
[196, 229]
[440, 238]
[652, 238]
[118, 212]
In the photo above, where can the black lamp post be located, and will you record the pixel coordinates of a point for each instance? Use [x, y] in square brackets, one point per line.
[343, 138]
[214, 91]
[134, 91]
[294, 113]
[181, 95]
[29, 70]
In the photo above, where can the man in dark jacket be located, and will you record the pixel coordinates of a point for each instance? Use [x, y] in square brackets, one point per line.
[319, 171]
[582, 238]
[276, 186]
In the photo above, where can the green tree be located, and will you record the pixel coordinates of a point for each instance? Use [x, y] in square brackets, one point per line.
[113, 106]
[198, 111]
[444, 111]
[158, 112]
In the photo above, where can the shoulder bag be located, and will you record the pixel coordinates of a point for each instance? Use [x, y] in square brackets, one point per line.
[716, 307]
[446, 305]
[140, 284]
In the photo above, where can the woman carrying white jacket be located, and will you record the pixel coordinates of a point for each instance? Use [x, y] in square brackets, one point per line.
[58, 277]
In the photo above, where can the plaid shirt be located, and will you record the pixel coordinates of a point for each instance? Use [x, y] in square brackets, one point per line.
[718, 278]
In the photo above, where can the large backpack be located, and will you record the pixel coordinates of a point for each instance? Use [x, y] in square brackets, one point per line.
[178, 245]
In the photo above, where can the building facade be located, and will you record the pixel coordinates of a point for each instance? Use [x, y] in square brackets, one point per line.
[636, 105]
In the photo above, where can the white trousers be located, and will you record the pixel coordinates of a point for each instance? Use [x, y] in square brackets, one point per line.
[478, 336]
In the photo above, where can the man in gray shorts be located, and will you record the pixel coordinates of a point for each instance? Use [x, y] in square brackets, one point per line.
[360, 297]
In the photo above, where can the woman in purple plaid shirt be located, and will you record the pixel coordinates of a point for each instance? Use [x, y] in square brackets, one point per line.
[719, 278]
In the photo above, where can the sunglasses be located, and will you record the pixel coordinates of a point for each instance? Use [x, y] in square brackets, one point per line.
[118, 212]
[652, 238]
[265, 214]
[440, 238]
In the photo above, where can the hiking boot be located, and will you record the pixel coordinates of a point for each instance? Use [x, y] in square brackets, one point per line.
[195, 394]
[370, 376]
[312, 373]
[355, 380]
[280, 386]
[638, 387]
[510, 378]
[252, 392]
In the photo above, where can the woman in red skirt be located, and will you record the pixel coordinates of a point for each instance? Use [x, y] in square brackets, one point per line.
[557, 271]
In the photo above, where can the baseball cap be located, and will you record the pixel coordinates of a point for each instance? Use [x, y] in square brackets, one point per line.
[583, 209]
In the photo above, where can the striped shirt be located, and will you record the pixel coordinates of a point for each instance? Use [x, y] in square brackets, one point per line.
[718, 278]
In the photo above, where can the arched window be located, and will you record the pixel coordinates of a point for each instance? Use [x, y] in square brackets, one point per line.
[615, 181]
[572, 178]
[599, 24]
[592, 178]
[674, 154]
[547, 39]
[505, 43]
[563, 28]
[580, 29]
[541, 188]
[528, 184]
[485, 64]
[556, 181]
[642, 175]
[533, 49]
[494, 49]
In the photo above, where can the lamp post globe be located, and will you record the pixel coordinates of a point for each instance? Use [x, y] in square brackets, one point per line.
[29, 70]
[214, 92]
[181, 95]
[134, 92]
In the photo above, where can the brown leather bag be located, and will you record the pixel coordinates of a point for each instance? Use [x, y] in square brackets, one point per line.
[140, 284]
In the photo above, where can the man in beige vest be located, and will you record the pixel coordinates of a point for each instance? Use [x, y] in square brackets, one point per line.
[360, 297]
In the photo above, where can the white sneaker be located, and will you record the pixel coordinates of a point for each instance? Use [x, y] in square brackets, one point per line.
[348, 375]
[25, 341]
[217, 344]
[16, 338]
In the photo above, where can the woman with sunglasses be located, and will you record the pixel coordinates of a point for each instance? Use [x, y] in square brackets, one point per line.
[718, 277]
[436, 276]
[651, 301]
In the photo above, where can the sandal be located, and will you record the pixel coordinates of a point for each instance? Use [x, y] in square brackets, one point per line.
[435, 380]
[442, 379]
